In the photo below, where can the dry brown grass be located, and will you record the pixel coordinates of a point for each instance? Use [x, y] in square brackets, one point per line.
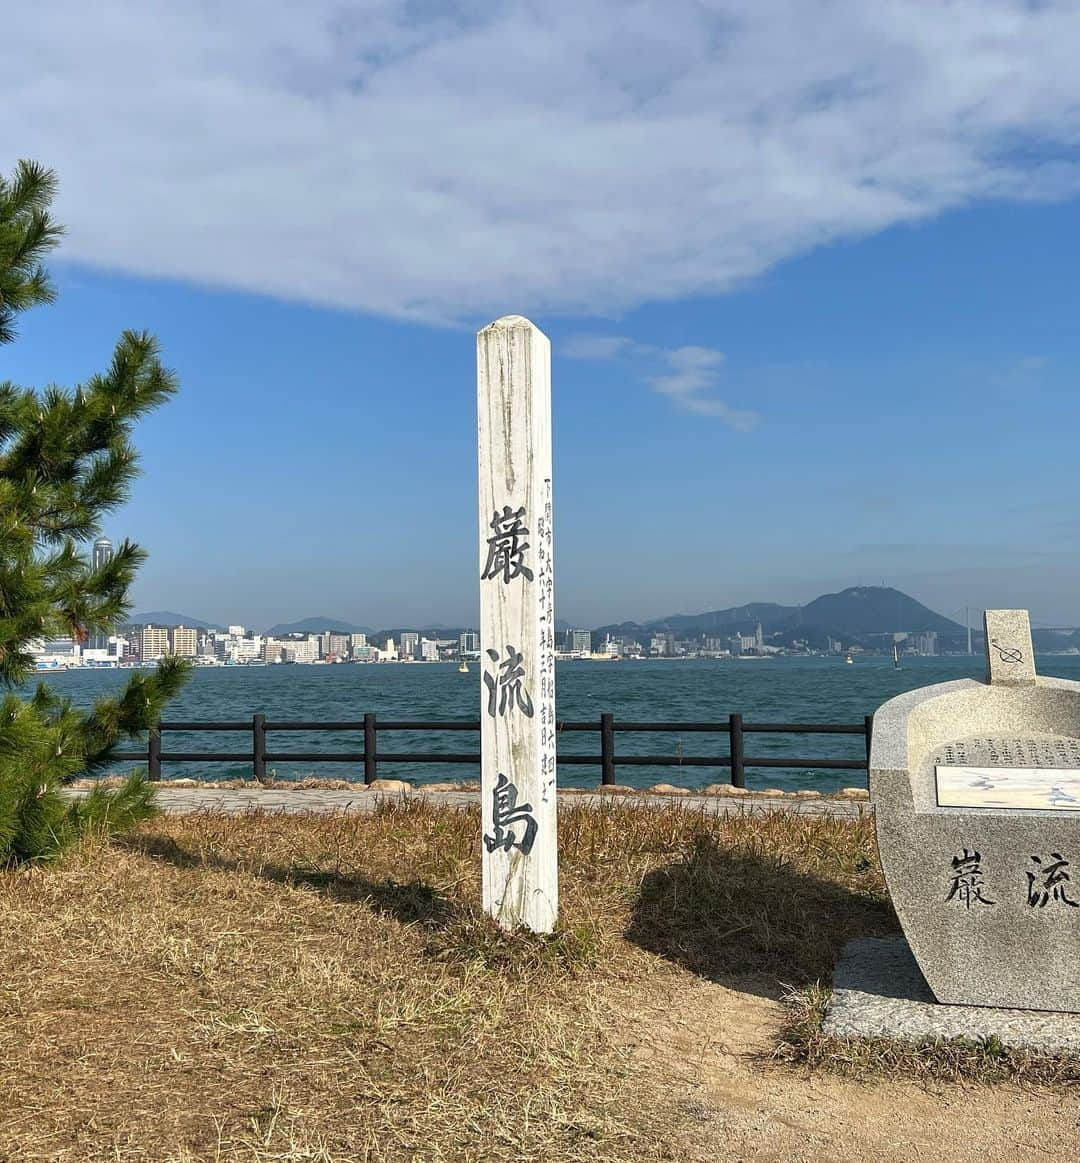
[326, 988]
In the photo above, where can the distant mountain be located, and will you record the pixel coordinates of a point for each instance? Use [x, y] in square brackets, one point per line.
[317, 625]
[169, 618]
[857, 615]
[862, 611]
[1045, 641]
[441, 630]
[736, 620]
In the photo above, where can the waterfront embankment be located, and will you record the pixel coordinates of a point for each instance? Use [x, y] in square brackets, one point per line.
[194, 796]
[788, 691]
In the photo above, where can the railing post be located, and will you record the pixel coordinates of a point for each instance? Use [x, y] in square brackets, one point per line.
[868, 727]
[607, 748]
[370, 748]
[738, 769]
[153, 753]
[258, 747]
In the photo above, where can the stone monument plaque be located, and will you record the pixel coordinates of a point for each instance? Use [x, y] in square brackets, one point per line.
[976, 792]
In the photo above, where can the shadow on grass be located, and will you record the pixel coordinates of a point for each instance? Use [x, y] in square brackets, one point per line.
[725, 913]
[458, 933]
[410, 903]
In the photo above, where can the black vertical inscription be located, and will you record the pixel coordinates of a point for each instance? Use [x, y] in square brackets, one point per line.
[506, 814]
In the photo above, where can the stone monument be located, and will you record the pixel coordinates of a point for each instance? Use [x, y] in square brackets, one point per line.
[976, 794]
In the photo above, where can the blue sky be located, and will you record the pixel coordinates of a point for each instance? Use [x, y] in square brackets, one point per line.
[809, 273]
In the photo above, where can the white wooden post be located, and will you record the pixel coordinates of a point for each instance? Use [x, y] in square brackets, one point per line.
[517, 626]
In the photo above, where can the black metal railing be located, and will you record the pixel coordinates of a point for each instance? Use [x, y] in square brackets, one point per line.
[606, 727]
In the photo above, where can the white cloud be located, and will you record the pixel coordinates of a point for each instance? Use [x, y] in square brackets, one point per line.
[686, 375]
[461, 160]
[600, 346]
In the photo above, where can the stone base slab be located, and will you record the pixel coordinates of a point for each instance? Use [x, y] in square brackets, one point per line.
[879, 992]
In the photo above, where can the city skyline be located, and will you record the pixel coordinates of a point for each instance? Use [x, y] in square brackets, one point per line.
[143, 644]
[812, 313]
[877, 610]
[319, 623]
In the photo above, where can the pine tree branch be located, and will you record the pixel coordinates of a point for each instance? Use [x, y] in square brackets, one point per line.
[27, 234]
[66, 460]
[129, 715]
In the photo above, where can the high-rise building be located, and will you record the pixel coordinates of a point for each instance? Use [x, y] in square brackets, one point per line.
[184, 641]
[410, 645]
[926, 643]
[469, 642]
[301, 648]
[103, 552]
[102, 555]
[153, 643]
[337, 644]
[579, 641]
[243, 648]
[273, 649]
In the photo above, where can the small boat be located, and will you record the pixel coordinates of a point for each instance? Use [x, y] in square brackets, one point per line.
[463, 668]
[849, 660]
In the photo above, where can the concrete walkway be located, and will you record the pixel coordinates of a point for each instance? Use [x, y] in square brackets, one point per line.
[324, 802]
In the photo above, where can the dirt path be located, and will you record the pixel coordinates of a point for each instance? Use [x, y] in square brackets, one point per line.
[709, 1046]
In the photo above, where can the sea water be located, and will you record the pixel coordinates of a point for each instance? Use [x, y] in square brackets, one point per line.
[775, 690]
